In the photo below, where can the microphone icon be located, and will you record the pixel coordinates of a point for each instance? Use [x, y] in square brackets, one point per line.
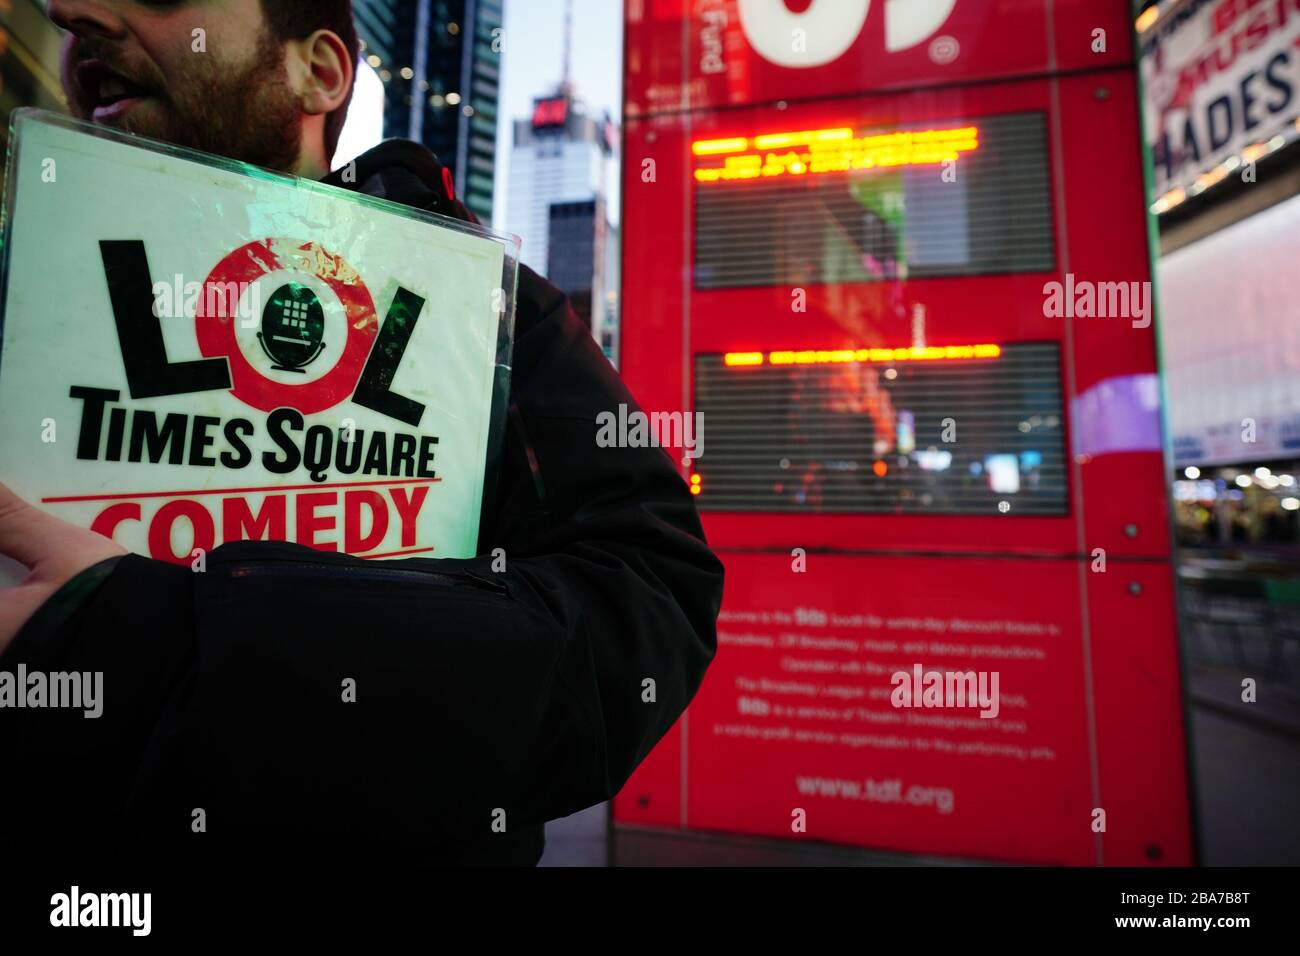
[293, 328]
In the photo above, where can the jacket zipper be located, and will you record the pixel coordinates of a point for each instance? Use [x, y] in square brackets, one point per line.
[464, 579]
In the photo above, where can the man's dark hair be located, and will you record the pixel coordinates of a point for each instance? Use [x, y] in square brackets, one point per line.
[296, 19]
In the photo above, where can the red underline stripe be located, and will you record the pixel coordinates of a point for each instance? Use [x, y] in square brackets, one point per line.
[393, 554]
[239, 491]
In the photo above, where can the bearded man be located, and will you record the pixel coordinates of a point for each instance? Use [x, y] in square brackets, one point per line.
[488, 702]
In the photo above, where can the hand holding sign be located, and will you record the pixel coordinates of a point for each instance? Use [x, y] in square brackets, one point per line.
[54, 552]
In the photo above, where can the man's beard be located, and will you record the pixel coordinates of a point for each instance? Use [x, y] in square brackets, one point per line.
[251, 116]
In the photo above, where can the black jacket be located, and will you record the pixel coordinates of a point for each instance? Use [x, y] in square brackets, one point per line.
[479, 693]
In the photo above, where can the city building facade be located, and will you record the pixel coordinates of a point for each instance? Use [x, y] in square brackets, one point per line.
[440, 64]
[556, 203]
[1222, 87]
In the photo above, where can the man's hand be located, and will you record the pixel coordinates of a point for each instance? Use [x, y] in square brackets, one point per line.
[54, 552]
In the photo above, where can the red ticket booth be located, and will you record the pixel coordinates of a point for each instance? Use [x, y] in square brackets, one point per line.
[848, 230]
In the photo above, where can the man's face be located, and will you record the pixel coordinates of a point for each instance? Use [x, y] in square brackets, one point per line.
[143, 66]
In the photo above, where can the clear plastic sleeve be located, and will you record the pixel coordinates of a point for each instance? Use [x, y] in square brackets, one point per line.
[196, 351]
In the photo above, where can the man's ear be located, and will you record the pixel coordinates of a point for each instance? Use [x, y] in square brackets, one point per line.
[323, 71]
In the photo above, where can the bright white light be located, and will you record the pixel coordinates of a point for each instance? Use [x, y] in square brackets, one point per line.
[934, 460]
[364, 127]
[1243, 481]
[1286, 481]
[1192, 472]
[1004, 474]
[1262, 473]
[1291, 504]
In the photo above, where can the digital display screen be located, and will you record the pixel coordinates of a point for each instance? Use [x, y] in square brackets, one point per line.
[968, 430]
[550, 112]
[841, 204]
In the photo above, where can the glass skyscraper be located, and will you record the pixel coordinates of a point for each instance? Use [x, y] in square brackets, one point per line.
[439, 61]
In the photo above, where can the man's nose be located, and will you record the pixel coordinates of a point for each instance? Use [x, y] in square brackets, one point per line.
[86, 17]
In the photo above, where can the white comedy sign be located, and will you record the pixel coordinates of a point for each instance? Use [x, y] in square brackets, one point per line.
[195, 352]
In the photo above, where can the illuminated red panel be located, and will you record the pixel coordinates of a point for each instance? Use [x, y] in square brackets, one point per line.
[830, 151]
[820, 269]
[550, 113]
[932, 353]
[705, 54]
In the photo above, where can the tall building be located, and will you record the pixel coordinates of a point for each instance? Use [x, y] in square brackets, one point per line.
[582, 261]
[556, 200]
[440, 61]
[559, 156]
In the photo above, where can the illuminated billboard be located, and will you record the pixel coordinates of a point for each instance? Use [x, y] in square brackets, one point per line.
[550, 113]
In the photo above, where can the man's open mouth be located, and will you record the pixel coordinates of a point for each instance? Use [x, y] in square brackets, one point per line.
[104, 88]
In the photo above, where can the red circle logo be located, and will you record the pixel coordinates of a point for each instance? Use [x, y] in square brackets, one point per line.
[216, 317]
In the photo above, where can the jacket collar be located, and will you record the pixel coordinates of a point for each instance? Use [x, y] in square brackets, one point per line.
[399, 170]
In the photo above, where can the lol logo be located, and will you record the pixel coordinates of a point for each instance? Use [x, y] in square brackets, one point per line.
[829, 27]
[319, 341]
